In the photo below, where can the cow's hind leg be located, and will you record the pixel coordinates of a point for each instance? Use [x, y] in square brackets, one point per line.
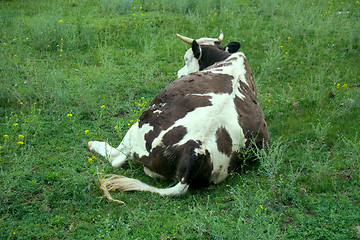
[116, 157]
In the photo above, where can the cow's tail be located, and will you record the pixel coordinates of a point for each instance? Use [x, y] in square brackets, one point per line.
[129, 184]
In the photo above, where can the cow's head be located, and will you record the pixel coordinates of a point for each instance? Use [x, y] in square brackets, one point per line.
[204, 52]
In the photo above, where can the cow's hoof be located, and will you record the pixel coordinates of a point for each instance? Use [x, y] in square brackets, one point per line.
[89, 145]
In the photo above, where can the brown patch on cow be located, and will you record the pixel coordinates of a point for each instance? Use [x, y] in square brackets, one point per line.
[207, 82]
[249, 77]
[174, 136]
[163, 161]
[219, 66]
[223, 141]
[236, 161]
[211, 55]
[251, 117]
[231, 59]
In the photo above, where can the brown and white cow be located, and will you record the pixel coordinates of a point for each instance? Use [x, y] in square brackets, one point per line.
[194, 128]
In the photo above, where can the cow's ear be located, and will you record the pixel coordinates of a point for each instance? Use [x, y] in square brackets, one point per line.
[232, 47]
[196, 49]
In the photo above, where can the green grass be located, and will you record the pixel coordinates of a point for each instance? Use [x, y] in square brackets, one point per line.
[74, 71]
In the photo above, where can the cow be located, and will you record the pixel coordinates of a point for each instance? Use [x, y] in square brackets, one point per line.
[194, 128]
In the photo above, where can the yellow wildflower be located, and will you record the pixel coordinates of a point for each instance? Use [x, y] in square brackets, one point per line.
[87, 131]
[60, 21]
[15, 124]
[6, 136]
[261, 207]
[20, 143]
[21, 136]
[103, 106]
[69, 115]
[116, 126]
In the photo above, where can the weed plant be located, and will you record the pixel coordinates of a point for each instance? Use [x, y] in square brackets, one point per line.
[79, 70]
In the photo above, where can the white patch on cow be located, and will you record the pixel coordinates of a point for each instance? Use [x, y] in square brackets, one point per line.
[134, 140]
[157, 111]
[191, 64]
[207, 41]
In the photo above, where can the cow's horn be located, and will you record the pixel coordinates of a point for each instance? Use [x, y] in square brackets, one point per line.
[221, 37]
[185, 39]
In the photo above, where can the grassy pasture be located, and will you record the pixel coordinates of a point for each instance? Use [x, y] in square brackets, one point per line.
[78, 70]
